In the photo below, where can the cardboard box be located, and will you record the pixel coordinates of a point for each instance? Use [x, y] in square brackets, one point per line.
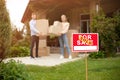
[55, 28]
[43, 51]
[55, 50]
[42, 25]
[69, 35]
[74, 54]
[43, 43]
[42, 37]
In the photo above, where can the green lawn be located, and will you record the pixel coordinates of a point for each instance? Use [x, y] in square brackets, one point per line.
[100, 69]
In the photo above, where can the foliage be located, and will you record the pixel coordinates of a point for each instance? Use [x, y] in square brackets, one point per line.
[13, 71]
[19, 51]
[20, 48]
[22, 42]
[5, 31]
[106, 27]
[96, 55]
[52, 36]
[27, 36]
[16, 36]
[116, 17]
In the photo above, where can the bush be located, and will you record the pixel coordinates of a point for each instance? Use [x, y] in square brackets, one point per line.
[52, 36]
[13, 71]
[22, 42]
[108, 37]
[96, 55]
[19, 51]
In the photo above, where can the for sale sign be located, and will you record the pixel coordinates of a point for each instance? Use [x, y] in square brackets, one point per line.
[85, 42]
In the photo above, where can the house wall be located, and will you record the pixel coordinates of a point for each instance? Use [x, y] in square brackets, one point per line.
[53, 16]
[74, 16]
[111, 7]
[41, 14]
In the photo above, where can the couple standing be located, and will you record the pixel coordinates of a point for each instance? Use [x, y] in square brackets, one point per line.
[62, 38]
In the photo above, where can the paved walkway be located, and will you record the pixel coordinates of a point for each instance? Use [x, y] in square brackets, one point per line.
[51, 60]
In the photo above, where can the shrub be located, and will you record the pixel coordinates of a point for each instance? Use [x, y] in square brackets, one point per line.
[13, 71]
[96, 55]
[22, 42]
[52, 36]
[16, 35]
[117, 28]
[19, 51]
[105, 26]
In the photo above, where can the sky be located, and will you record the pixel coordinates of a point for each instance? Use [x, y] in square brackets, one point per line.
[16, 10]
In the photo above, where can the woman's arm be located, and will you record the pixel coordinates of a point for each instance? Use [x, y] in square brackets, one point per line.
[65, 28]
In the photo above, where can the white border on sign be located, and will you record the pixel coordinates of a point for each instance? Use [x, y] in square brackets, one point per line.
[85, 48]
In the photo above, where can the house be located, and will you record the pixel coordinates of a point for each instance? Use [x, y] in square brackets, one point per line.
[79, 12]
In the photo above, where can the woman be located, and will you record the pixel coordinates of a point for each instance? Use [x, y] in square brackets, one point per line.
[63, 37]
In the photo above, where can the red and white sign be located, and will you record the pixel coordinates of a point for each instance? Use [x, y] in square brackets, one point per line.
[85, 42]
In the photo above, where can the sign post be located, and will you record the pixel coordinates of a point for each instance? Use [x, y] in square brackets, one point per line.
[86, 65]
[85, 42]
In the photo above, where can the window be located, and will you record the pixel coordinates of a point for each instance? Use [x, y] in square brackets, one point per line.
[85, 23]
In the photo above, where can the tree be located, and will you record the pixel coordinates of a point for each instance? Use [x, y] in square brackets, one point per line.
[5, 31]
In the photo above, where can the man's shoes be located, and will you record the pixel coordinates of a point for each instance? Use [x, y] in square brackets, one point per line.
[38, 56]
[32, 57]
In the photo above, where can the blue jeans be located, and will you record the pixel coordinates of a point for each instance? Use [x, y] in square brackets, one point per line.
[64, 41]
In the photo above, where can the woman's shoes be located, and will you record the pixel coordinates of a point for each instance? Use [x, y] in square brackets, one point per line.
[70, 57]
[62, 57]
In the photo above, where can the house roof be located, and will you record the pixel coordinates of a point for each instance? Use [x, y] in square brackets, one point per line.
[49, 5]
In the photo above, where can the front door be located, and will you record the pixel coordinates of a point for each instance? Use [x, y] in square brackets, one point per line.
[85, 23]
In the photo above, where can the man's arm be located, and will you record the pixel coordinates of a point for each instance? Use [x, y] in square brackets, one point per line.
[33, 28]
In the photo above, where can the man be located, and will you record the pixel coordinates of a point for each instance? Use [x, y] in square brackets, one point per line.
[34, 35]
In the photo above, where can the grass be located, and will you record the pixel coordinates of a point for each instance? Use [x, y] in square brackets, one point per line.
[98, 69]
